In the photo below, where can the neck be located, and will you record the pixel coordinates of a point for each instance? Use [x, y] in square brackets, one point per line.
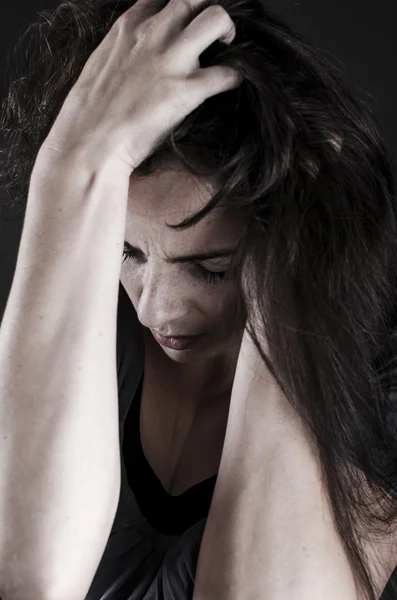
[206, 381]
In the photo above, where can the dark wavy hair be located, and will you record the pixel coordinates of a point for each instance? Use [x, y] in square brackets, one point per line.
[300, 156]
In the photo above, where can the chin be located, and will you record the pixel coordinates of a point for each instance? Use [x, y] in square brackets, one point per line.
[184, 357]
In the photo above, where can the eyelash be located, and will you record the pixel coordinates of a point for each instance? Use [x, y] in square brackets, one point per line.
[210, 277]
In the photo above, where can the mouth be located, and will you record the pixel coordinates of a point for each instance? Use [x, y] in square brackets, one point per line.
[176, 342]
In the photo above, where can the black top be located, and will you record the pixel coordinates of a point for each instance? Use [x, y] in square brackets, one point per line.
[166, 513]
[153, 547]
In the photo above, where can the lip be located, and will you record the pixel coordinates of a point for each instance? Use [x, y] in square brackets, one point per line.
[176, 343]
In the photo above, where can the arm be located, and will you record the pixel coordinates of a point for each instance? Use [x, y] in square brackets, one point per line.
[269, 533]
[59, 459]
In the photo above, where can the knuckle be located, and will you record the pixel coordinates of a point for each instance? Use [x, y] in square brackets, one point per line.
[188, 4]
[128, 20]
[218, 12]
[120, 26]
[148, 28]
[121, 21]
[141, 31]
[130, 13]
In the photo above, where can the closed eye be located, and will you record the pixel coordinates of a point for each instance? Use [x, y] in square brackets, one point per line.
[211, 277]
[129, 255]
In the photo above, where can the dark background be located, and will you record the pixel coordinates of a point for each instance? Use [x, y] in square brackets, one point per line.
[359, 34]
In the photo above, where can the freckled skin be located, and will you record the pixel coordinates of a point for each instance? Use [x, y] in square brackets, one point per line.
[174, 298]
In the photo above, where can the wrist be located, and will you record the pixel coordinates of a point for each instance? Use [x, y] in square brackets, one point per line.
[79, 164]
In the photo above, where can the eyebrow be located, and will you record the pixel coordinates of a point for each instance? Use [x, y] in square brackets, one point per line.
[220, 253]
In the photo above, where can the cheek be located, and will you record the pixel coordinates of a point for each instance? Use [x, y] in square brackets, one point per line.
[224, 308]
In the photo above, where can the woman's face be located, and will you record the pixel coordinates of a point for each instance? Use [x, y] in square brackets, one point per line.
[173, 295]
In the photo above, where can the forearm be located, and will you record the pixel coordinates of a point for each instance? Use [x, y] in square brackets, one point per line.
[269, 533]
[59, 460]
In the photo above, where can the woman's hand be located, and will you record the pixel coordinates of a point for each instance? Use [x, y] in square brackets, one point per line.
[142, 80]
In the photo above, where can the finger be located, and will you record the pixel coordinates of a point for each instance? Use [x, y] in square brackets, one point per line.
[211, 25]
[209, 81]
[177, 14]
[142, 10]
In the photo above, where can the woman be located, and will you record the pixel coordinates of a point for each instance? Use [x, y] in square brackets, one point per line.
[122, 122]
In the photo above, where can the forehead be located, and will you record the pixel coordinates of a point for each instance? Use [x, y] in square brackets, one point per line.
[171, 196]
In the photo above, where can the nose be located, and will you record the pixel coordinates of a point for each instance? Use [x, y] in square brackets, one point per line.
[162, 303]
